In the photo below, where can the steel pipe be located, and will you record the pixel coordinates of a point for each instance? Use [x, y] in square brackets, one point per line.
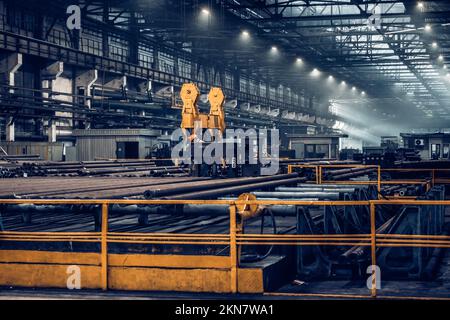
[284, 195]
[216, 184]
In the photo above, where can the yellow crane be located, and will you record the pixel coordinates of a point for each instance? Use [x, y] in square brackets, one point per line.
[190, 113]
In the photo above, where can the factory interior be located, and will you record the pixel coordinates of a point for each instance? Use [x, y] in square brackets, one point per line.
[225, 149]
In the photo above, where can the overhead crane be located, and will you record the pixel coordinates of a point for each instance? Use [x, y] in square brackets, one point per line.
[190, 113]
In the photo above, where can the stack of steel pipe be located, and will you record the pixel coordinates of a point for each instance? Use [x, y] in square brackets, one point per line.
[217, 188]
[347, 173]
[87, 187]
[320, 192]
[137, 167]
[20, 157]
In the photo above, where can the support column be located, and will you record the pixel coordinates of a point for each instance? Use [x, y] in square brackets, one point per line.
[51, 131]
[49, 75]
[83, 86]
[51, 81]
[84, 82]
[133, 40]
[236, 82]
[8, 67]
[105, 33]
[10, 130]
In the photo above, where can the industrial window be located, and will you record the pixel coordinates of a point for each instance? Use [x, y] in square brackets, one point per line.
[309, 148]
[243, 84]
[228, 81]
[280, 93]
[166, 62]
[91, 42]
[217, 81]
[445, 151]
[272, 93]
[253, 87]
[200, 73]
[262, 90]
[288, 95]
[19, 21]
[322, 150]
[118, 49]
[145, 57]
[184, 68]
[59, 37]
[435, 150]
[294, 98]
[316, 151]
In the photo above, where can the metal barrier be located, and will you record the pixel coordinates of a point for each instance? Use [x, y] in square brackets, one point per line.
[319, 169]
[433, 173]
[234, 239]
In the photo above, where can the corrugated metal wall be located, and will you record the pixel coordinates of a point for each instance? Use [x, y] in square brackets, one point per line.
[102, 143]
[47, 151]
[90, 148]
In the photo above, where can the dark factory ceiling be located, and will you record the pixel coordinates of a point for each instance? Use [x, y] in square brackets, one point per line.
[398, 48]
[396, 52]
[392, 50]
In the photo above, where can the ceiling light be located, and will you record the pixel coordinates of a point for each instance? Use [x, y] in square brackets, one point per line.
[299, 60]
[245, 34]
[440, 57]
[353, 88]
[274, 48]
[427, 27]
[205, 11]
[363, 93]
[420, 5]
[315, 72]
[434, 44]
[343, 82]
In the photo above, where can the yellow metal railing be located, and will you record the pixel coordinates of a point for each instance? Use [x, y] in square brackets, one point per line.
[319, 173]
[319, 169]
[234, 238]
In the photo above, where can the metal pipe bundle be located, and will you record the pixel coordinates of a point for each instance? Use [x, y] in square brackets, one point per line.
[285, 195]
[314, 189]
[216, 184]
[347, 173]
[236, 189]
[331, 186]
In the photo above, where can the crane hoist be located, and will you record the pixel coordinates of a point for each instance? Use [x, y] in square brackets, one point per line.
[191, 118]
[213, 121]
[190, 113]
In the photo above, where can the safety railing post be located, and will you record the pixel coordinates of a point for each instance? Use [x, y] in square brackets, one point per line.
[233, 250]
[433, 175]
[373, 249]
[289, 168]
[317, 174]
[379, 182]
[104, 250]
[320, 174]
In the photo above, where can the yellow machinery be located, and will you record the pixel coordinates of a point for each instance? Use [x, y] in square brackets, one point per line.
[214, 120]
[190, 114]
